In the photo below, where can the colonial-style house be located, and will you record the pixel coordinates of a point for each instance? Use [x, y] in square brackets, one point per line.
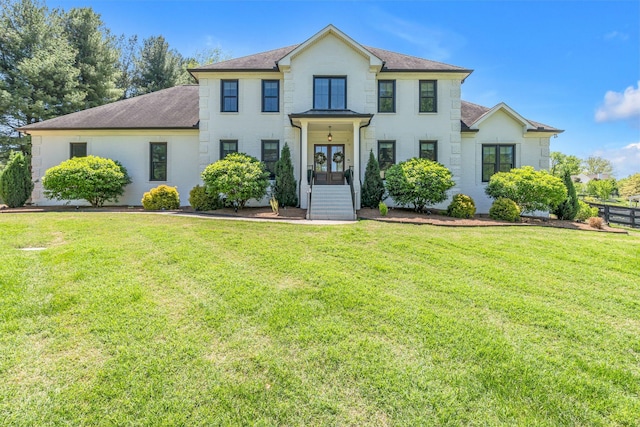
[331, 99]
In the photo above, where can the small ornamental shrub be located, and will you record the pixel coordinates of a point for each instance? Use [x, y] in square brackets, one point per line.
[596, 222]
[200, 200]
[285, 189]
[462, 206]
[373, 186]
[91, 178]
[384, 210]
[568, 209]
[15, 181]
[585, 211]
[505, 209]
[162, 197]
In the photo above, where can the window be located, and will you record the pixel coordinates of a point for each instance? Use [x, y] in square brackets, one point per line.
[229, 96]
[270, 96]
[77, 149]
[386, 155]
[386, 96]
[330, 93]
[428, 96]
[497, 158]
[270, 155]
[158, 168]
[228, 146]
[429, 150]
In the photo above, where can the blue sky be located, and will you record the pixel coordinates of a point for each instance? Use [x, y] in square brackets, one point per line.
[574, 65]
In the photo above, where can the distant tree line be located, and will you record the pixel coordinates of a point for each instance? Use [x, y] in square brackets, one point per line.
[55, 62]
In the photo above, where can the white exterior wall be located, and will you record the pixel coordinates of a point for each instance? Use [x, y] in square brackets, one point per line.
[131, 148]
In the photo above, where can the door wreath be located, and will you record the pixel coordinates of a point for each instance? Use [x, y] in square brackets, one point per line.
[338, 157]
[320, 158]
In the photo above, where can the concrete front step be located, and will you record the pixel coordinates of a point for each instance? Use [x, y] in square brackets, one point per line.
[331, 202]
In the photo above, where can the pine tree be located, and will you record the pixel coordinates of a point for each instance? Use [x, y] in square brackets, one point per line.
[158, 67]
[568, 209]
[15, 181]
[285, 187]
[373, 188]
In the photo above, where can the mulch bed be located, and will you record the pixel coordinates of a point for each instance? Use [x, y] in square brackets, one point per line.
[397, 215]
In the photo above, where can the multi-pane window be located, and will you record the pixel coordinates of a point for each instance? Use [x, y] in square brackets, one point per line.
[330, 93]
[270, 155]
[158, 161]
[270, 96]
[428, 96]
[497, 158]
[229, 96]
[429, 150]
[386, 154]
[228, 146]
[386, 96]
[77, 149]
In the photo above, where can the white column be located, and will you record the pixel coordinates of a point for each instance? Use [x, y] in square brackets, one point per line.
[303, 163]
[356, 161]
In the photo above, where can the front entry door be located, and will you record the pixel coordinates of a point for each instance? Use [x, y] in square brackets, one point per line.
[328, 166]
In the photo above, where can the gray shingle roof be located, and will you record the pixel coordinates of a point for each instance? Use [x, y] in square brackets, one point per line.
[471, 113]
[173, 108]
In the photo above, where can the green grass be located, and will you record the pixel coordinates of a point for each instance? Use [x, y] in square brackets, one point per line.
[153, 320]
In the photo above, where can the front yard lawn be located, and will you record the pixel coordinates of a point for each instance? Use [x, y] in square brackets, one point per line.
[137, 319]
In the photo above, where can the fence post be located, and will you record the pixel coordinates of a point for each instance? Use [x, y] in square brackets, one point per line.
[632, 216]
[606, 214]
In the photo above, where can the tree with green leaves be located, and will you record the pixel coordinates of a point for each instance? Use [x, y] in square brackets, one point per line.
[157, 67]
[418, 182]
[601, 188]
[561, 162]
[373, 186]
[15, 181]
[595, 165]
[532, 190]
[629, 186]
[568, 209]
[285, 188]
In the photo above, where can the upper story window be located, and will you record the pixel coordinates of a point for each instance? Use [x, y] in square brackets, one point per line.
[77, 149]
[270, 155]
[330, 93]
[429, 150]
[386, 96]
[497, 158]
[158, 160]
[229, 96]
[428, 96]
[270, 96]
[228, 146]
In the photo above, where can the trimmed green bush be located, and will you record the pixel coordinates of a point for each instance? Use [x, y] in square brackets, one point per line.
[285, 189]
[201, 200]
[585, 211]
[94, 179]
[384, 210]
[505, 209]
[162, 197]
[462, 206]
[15, 181]
[568, 209]
[373, 186]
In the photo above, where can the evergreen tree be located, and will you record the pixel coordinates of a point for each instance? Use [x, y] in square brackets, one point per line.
[125, 82]
[373, 188]
[15, 181]
[157, 67]
[568, 209]
[286, 186]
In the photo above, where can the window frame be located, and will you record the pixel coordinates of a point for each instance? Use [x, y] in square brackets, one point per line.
[394, 159]
[265, 97]
[224, 97]
[227, 141]
[434, 97]
[77, 144]
[152, 176]
[393, 96]
[435, 149]
[496, 164]
[329, 78]
[272, 173]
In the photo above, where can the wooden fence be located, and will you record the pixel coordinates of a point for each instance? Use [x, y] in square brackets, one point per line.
[629, 217]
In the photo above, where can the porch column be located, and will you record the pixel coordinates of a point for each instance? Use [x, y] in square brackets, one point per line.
[303, 163]
[356, 152]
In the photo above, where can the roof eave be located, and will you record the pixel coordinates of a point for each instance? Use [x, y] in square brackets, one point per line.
[26, 130]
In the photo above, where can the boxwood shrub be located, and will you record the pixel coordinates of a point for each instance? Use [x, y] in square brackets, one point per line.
[162, 197]
[505, 209]
[461, 206]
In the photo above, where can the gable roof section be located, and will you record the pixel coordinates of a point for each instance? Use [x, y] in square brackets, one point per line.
[473, 115]
[173, 108]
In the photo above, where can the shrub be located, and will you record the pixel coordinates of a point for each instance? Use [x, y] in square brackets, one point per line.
[601, 188]
[596, 222]
[585, 211]
[532, 190]
[462, 206]
[285, 188]
[418, 182]
[384, 210]
[94, 179]
[504, 209]
[373, 186]
[568, 209]
[201, 200]
[239, 177]
[15, 181]
[629, 186]
[160, 198]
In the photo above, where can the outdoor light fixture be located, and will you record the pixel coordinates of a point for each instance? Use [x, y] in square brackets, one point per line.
[329, 137]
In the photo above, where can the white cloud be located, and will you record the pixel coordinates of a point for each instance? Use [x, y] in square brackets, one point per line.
[625, 160]
[620, 106]
[616, 35]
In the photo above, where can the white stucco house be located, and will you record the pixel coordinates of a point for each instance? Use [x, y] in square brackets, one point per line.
[329, 94]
